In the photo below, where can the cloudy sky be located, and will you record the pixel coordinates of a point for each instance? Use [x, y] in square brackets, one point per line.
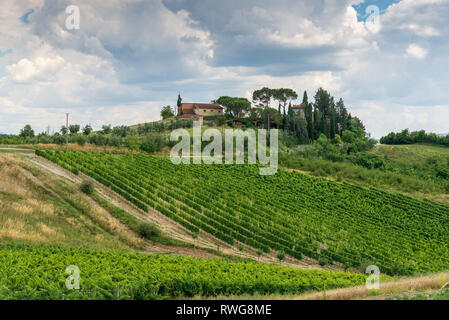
[130, 57]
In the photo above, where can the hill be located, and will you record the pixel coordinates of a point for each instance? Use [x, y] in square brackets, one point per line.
[39, 207]
[47, 224]
[290, 213]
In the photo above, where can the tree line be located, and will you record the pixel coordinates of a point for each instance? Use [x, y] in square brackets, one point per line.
[407, 137]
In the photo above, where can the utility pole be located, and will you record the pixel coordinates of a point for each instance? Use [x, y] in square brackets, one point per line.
[67, 131]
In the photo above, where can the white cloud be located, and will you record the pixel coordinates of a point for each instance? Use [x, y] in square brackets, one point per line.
[416, 51]
[42, 69]
[124, 63]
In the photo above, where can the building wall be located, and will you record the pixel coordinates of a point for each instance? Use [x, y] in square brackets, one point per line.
[208, 112]
[301, 112]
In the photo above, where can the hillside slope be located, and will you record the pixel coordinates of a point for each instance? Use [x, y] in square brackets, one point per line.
[289, 213]
[39, 207]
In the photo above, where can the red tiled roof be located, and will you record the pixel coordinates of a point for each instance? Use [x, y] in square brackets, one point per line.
[299, 106]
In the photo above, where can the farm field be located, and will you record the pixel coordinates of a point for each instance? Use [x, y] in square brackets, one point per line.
[290, 213]
[38, 272]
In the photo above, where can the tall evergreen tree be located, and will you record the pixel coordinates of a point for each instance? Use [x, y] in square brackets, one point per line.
[308, 114]
[342, 116]
[333, 120]
[322, 109]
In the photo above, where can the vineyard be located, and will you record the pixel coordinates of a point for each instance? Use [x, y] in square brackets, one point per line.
[291, 213]
[38, 272]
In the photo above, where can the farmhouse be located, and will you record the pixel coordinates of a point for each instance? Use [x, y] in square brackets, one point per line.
[199, 110]
[299, 109]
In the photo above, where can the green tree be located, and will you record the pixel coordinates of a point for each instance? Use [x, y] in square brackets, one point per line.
[333, 126]
[87, 130]
[235, 107]
[107, 129]
[342, 116]
[322, 109]
[74, 128]
[179, 102]
[262, 99]
[284, 96]
[348, 136]
[64, 130]
[27, 132]
[167, 112]
[308, 113]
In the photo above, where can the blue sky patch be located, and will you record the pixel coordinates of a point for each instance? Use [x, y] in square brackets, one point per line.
[382, 4]
[5, 52]
[25, 17]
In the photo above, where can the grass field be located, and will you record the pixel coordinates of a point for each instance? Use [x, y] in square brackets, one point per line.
[40, 208]
[414, 154]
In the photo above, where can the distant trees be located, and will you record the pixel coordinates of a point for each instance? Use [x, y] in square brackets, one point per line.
[87, 130]
[107, 129]
[284, 96]
[235, 107]
[27, 132]
[64, 130]
[324, 116]
[167, 112]
[74, 128]
[262, 97]
[407, 137]
[121, 131]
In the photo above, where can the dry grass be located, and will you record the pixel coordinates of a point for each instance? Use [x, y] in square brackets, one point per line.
[39, 207]
[15, 230]
[423, 283]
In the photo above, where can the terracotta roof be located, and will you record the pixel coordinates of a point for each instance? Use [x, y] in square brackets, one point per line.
[297, 107]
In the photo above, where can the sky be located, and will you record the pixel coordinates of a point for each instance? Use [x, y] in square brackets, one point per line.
[128, 58]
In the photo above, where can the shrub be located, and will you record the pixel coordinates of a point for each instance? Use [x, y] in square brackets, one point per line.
[87, 187]
[148, 230]
[281, 255]
[323, 261]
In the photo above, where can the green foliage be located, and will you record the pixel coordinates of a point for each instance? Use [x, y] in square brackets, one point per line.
[235, 107]
[27, 132]
[281, 255]
[64, 130]
[148, 230]
[121, 131]
[87, 187]
[107, 129]
[87, 130]
[348, 136]
[38, 273]
[74, 128]
[288, 212]
[405, 137]
[167, 112]
[153, 143]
